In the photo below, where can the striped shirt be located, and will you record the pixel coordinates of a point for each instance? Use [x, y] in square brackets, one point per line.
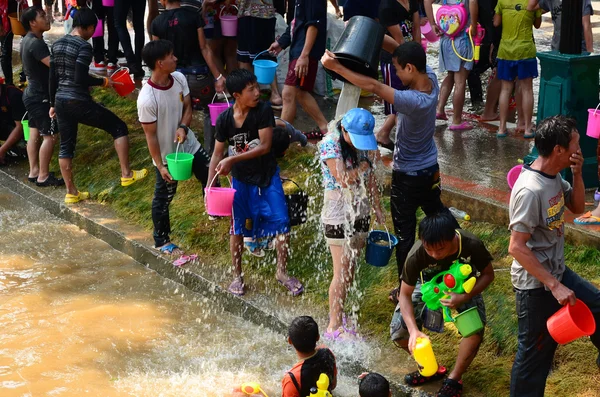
[66, 53]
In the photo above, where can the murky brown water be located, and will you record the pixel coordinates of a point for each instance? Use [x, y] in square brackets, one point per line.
[80, 318]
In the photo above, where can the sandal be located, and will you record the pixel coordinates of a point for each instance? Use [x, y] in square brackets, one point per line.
[416, 379]
[267, 244]
[594, 220]
[293, 285]
[441, 116]
[137, 175]
[530, 134]
[72, 198]
[464, 126]
[334, 335]
[315, 133]
[169, 249]
[450, 388]
[50, 181]
[393, 296]
[237, 287]
[183, 259]
[501, 134]
[254, 248]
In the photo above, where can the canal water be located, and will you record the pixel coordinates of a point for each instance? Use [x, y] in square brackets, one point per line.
[80, 318]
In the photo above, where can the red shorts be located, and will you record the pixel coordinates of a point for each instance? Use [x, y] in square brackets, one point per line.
[306, 83]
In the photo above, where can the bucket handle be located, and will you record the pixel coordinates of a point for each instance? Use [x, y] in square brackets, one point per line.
[386, 230]
[294, 182]
[23, 118]
[260, 53]
[595, 110]
[214, 96]
[229, 6]
[213, 180]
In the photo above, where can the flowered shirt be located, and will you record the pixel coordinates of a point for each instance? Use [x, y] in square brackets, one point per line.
[256, 8]
[330, 148]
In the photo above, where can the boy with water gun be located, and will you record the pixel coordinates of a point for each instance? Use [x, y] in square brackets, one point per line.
[440, 245]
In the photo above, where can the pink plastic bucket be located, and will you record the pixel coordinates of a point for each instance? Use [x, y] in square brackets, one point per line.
[424, 43]
[593, 125]
[108, 3]
[219, 200]
[229, 24]
[99, 32]
[513, 175]
[215, 109]
[429, 33]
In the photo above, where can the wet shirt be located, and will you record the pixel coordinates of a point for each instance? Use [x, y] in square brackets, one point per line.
[67, 52]
[330, 148]
[516, 41]
[33, 50]
[307, 13]
[537, 207]
[180, 26]
[415, 148]
[256, 171]
[307, 372]
[555, 8]
[471, 251]
[11, 104]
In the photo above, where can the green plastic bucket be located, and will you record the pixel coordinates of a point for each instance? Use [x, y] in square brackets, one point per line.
[180, 169]
[468, 322]
[25, 124]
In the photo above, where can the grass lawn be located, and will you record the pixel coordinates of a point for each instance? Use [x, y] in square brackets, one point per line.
[97, 170]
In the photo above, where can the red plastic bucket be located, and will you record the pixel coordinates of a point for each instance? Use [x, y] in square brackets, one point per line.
[593, 125]
[219, 200]
[122, 76]
[513, 175]
[229, 24]
[99, 32]
[571, 322]
[215, 109]
[429, 33]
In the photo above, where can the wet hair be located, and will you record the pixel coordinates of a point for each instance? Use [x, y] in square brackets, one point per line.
[438, 228]
[238, 80]
[411, 52]
[348, 152]
[29, 15]
[304, 334]
[552, 131]
[84, 18]
[155, 51]
[374, 385]
[280, 142]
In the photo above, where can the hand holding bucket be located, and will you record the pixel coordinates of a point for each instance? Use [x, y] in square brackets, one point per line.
[122, 82]
[215, 109]
[219, 200]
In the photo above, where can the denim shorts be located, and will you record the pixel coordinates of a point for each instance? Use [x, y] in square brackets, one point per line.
[522, 69]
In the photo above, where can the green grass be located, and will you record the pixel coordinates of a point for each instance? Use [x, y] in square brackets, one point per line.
[97, 170]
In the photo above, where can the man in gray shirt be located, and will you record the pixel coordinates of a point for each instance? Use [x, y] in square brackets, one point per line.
[542, 281]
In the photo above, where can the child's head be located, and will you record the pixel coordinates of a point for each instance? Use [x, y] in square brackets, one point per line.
[158, 54]
[280, 142]
[303, 334]
[437, 233]
[241, 83]
[85, 19]
[374, 385]
[409, 60]
[357, 127]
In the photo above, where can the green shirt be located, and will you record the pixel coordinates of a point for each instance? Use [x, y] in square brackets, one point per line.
[517, 30]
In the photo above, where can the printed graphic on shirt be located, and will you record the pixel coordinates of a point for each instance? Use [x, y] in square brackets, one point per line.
[556, 212]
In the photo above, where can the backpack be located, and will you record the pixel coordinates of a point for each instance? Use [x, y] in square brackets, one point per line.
[321, 363]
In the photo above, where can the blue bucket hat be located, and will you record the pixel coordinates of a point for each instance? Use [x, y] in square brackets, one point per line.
[360, 124]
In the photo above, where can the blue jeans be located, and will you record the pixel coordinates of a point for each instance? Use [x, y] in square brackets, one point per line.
[536, 347]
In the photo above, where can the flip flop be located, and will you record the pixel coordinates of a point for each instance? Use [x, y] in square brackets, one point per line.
[168, 249]
[587, 215]
[183, 259]
[237, 287]
[72, 198]
[254, 249]
[137, 175]
[334, 335]
[501, 135]
[530, 134]
[293, 285]
[441, 116]
[464, 126]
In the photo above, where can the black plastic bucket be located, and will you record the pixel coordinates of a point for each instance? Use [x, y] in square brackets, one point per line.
[359, 46]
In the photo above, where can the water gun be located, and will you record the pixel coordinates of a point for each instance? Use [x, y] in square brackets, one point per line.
[322, 388]
[252, 388]
[477, 40]
[456, 279]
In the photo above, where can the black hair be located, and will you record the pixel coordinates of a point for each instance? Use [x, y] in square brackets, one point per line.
[411, 52]
[280, 142]
[84, 18]
[374, 385]
[155, 51]
[238, 80]
[29, 15]
[437, 228]
[304, 333]
[348, 152]
[552, 131]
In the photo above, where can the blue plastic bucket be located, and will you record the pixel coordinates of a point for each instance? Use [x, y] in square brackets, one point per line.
[264, 69]
[380, 245]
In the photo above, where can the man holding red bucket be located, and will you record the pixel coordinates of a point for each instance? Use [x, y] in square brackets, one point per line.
[542, 281]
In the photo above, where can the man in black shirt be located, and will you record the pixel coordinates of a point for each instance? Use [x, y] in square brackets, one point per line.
[12, 111]
[35, 56]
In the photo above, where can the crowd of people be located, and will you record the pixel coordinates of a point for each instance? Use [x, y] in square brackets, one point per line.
[190, 62]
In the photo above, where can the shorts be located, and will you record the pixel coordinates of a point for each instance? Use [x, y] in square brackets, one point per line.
[306, 83]
[521, 69]
[255, 35]
[391, 79]
[39, 118]
[398, 329]
[260, 212]
[336, 234]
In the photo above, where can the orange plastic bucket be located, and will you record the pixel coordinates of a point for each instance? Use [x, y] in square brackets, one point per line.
[15, 24]
[122, 76]
[571, 322]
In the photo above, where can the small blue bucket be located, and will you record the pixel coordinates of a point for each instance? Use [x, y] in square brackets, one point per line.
[264, 69]
[380, 245]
